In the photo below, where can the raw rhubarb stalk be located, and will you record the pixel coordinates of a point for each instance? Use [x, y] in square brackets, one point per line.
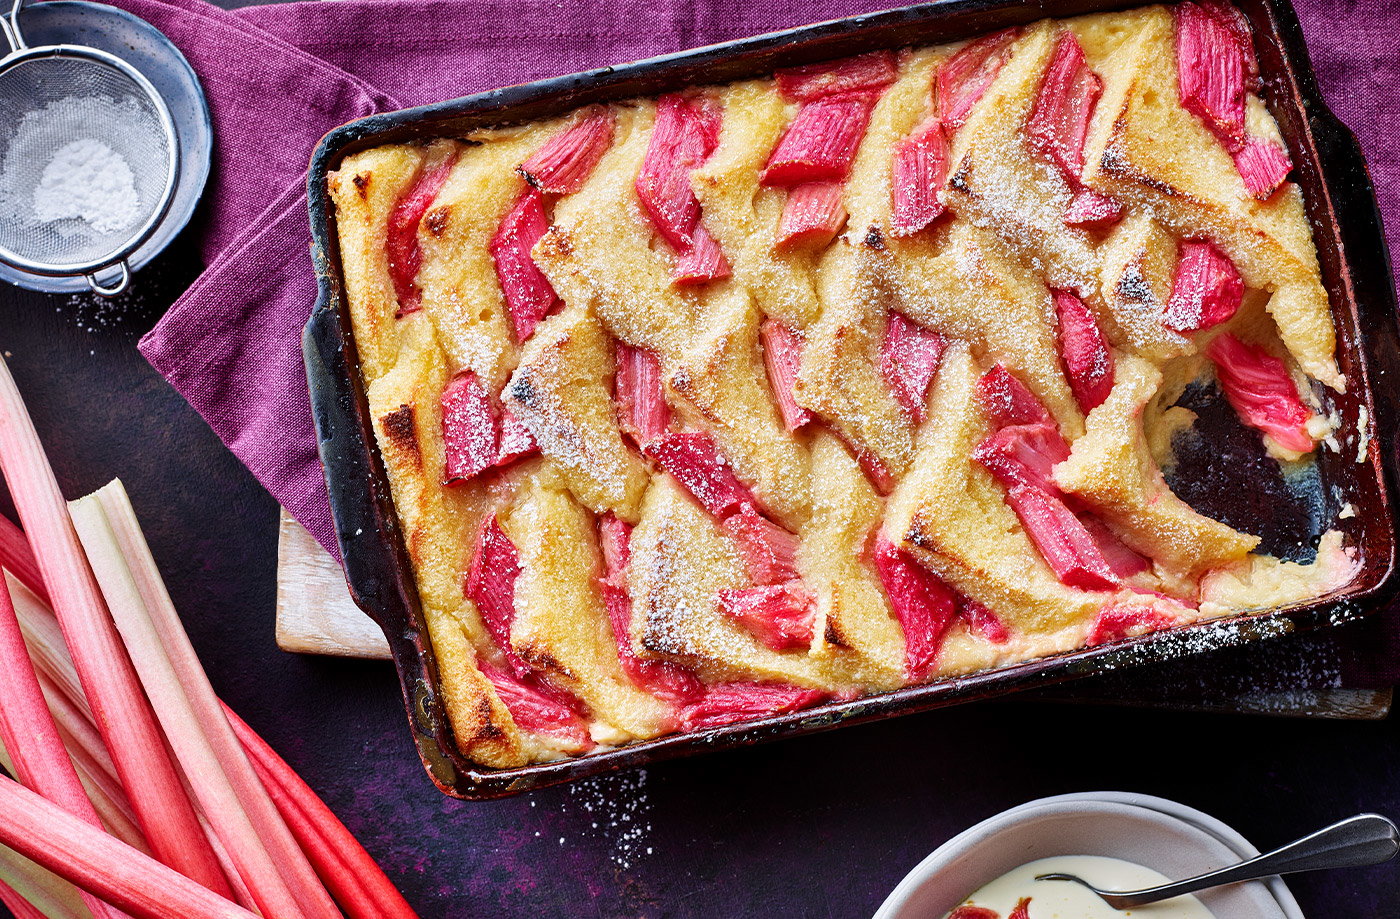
[983, 621]
[695, 461]
[17, 558]
[167, 818]
[782, 355]
[812, 216]
[1263, 165]
[963, 78]
[1207, 289]
[1059, 122]
[21, 908]
[102, 865]
[516, 440]
[923, 604]
[768, 550]
[405, 254]
[702, 261]
[231, 798]
[868, 73]
[356, 880]
[1262, 392]
[909, 358]
[564, 163]
[1210, 65]
[470, 437]
[820, 143]
[529, 295]
[731, 703]
[52, 896]
[919, 171]
[1085, 351]
[491, 586]
[535, 710]
[1006, 400]
[641, 400]
[1089, 209]
[1115, 623]
[32, 742]
[780, 616]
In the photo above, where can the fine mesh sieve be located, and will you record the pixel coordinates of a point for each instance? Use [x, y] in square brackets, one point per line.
[90, 160]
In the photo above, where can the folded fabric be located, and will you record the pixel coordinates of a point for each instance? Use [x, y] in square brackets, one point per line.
[279, 76]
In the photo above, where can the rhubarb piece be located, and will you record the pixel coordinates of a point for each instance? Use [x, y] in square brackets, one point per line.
[1210, 64]
[780, 616]
[1114, 623]
[1262, 392]
[110, 869]
[534, 709]
[1059, 121]
[963, 78]
[973, 912]
[1089, 209]
[1006, 400]
[819, 144]
[685, 134]
[782, 354]
[877, 472]
[812, 216]
[730, 703]
[405, 255]
[703, 261]
[469, 433]
[17, 558]
[1232, 18]
[909, 358]
[983, 621]
[769, 551]
[1022, 910]
[1122, 561]
[695, 461]
[1207, 289]
[1085, 351]
[232, 800]
[922, 603]
[562, 165]
[491, 586]
[516, 440]
[919, 171]
[529, 295]
[1264, 166]
[867, 74]
[1036, 448]
[641, 402]
[120, 709]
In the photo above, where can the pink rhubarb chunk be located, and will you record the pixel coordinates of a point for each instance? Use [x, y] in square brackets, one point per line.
[695, 461]
[491, 586]
[983, 621]
[924, 605]
[963, 78]
[405, 255]
[516, 440]
[920, 169]
[866, 73]
[703, 261]
[782, 354]
[685, 134]
[973, 912]
[1006, 400]
[469, 433]
[1262, 392]
[1210, 63]
[730, 703]
[1088, 360]
[1122, 561]
[820, 143]
[1207, 289]
[641, 401]
[535, 710]
[1059, 120]
[780, 616]
[1089, 209]
[909, 358]
[564, 163]
[1115, 623]
[812, 216]
[769, 551]
[1263, 165]
[1036, 448]
[529, 295]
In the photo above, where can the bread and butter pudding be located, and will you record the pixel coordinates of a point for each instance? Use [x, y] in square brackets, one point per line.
[702, 408]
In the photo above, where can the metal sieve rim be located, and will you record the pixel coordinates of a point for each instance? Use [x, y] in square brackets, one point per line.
[167, 124]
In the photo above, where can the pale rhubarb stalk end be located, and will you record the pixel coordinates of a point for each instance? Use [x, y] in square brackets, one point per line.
[1085, 351]
[1262, 392]
[563, 164]
[909, 359]
[1207, 289]
[923, 604]
[919, 170]
[782, 354]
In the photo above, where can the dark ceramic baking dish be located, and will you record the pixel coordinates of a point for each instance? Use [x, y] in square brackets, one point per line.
[1341, 206]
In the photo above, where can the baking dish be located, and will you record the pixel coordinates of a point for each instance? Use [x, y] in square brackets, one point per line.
[1341, 208]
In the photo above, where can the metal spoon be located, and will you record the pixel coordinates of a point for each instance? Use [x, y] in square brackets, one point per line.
[1366, 839]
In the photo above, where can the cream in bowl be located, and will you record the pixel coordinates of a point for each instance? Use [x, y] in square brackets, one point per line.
[1018, 895]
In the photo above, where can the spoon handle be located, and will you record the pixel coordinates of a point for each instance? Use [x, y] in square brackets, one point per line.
[1366, 839]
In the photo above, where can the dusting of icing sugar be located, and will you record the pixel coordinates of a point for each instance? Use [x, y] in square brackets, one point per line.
[618, 811]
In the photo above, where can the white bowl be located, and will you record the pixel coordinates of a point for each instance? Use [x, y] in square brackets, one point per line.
[1168, 837]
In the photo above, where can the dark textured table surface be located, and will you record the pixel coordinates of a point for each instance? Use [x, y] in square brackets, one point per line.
[818, 826]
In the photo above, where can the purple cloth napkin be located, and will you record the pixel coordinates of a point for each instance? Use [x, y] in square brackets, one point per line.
[279, 76]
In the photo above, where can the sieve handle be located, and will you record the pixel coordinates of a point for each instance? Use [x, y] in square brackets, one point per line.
[122, 282]
[10, 26]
